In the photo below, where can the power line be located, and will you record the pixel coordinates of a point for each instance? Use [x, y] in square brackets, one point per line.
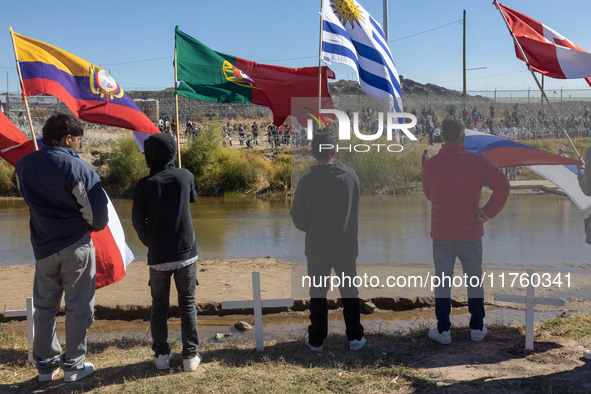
[475, 43]
[274, 60]
[139, 61]
[293, 58]
[426, 31]
[396, 39]
[496, 75]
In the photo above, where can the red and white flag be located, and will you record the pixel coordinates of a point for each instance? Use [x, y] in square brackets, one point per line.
[112, 253]
[547, 51]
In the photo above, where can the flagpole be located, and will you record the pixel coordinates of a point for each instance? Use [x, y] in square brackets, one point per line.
[518, 45]
[319, 60]
[20, 78]
[176, 107]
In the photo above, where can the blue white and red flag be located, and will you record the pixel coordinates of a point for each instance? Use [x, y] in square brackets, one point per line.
[502, 152]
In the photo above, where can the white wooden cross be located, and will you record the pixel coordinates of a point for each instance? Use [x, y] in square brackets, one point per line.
[530, 300]
[30, 328]
[257, 304]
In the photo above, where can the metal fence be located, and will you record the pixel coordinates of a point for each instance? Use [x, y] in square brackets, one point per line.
[533, 115]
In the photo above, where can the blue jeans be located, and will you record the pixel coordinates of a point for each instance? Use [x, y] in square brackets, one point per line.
[71, 271]
[470, 255]
[185, 280]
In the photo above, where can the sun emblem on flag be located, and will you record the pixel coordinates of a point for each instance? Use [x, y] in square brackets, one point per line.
[237, 76]
[103, 84]
[347, 11]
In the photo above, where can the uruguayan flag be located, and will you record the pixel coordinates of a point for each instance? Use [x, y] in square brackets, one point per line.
[351, 36]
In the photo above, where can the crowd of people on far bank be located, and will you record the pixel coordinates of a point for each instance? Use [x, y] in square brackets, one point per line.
[519, 122]
[516, 123]
[277, 136]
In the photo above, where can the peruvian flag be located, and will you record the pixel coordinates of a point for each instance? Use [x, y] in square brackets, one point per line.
[547, 51]
[112, 253]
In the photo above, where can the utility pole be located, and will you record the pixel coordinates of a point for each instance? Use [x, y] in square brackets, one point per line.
[542, 95]
[464, 70]
[386, 20]
[7, 98]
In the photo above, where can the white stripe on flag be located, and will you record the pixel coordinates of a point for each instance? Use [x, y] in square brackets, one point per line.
[564, 177]
[364, 48]
[574, 64]
[140, 137]
[118, 234]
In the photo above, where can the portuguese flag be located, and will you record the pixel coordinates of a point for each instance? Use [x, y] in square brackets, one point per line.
[206, 75]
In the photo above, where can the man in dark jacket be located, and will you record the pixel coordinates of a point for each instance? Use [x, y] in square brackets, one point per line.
[452, 181]
[162, 220]
[326, 208]
[66, 202]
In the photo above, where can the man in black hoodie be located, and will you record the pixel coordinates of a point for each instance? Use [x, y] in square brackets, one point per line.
[326, 208]
[162, 220]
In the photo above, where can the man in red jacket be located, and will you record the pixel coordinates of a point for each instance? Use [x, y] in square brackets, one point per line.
[452, 181]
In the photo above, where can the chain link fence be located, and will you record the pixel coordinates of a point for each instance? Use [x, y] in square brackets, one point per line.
[515, 111]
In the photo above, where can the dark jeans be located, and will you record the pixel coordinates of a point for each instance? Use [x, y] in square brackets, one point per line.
[185, 280]
[470, 255]
[318, 328]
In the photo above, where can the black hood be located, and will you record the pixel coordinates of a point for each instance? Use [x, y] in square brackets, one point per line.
[160, 151]
[333, 173]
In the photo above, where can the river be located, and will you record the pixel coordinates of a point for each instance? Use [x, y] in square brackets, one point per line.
[540, 231]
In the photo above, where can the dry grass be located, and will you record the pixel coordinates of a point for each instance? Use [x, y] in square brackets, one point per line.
[392, 363]
[124, 365]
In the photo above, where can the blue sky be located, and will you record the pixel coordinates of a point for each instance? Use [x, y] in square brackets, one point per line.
[134, 40]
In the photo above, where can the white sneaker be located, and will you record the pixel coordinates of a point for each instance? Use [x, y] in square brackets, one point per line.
[47, 377]
[313, 348]
[357, 344]
[444, 338]
[191, 364]
[162, 361]
[74, 376]
[478, 335]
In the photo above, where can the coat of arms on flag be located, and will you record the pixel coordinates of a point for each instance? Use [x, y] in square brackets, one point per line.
[350, 35]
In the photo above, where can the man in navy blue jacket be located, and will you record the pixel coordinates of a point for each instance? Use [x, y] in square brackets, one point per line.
[162, 220]
[66, 202]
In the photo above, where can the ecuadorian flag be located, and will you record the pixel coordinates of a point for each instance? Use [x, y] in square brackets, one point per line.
[88, 91]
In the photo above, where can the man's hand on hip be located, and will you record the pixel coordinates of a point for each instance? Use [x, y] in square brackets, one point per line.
[481, 216]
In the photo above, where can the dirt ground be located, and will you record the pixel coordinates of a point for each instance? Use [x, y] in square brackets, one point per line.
[499, 364]
[231, 279]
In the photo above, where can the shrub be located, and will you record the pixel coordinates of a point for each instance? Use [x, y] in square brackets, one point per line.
[201, 153]
[7, 184]
[278, 173]
[127, 165]
[232, 172]
[377, 171]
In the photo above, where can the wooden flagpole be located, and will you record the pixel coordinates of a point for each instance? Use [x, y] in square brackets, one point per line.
[20, 78]
[319, 60]
[518, 45]
[176, 107]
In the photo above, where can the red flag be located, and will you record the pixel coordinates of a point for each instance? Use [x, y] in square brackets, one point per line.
[13, 143]
[281, 84]
[547, 51]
